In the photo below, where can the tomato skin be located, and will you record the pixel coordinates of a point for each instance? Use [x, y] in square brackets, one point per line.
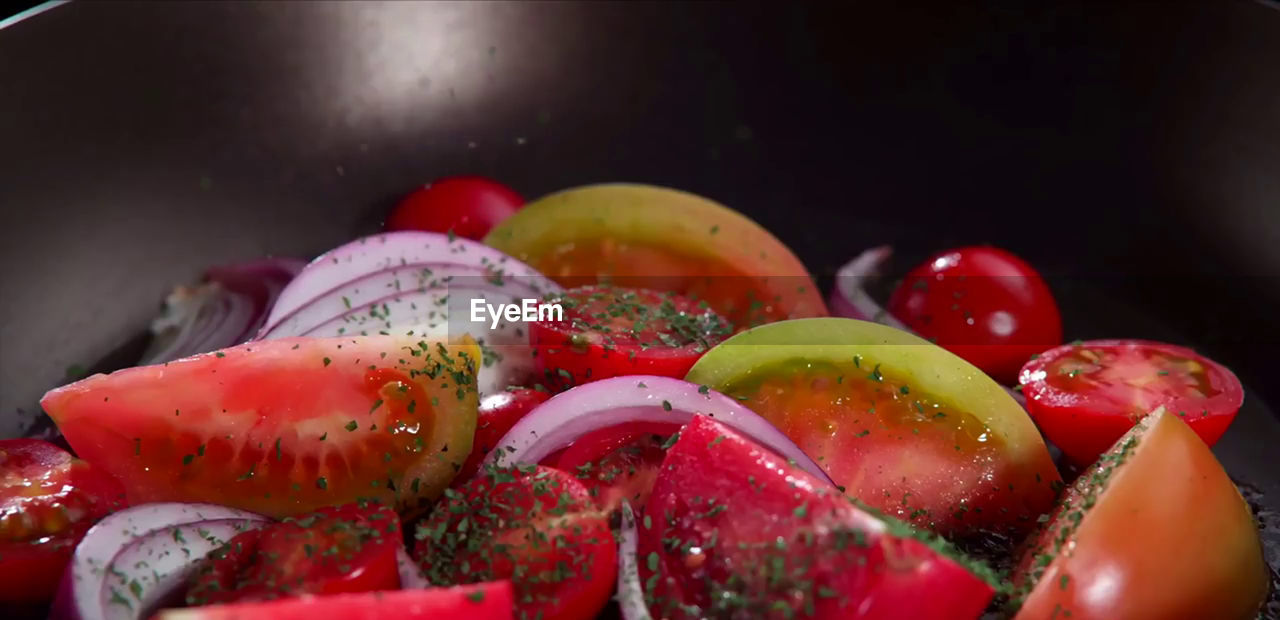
[281, 427]
[48, 500]
[483, 601]
[998, 482]
[981, 303]
[1084, 418]
[466, 205]
[350, 548]
[496, 415]
[1167, 536]
[611, 331]
[618, 463]
[758, 538]
[525, 524]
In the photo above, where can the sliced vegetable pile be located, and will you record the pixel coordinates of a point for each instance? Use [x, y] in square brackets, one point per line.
[685, 431]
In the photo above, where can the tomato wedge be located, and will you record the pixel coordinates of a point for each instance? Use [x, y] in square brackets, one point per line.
[482, 601]
[731, 531]
[1086, 395]
[902, 424]
[281, 427]
[661, 239]
[497, 414]
[609, 332]
[1155, 529]
[48, 500]
[349, 548]
[533, 525]
[617, 464]
[466, 206]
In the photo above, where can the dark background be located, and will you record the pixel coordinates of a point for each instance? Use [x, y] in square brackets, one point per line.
[1130, 151]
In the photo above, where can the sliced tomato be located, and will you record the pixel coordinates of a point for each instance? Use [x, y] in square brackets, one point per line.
[482, 601]
[1154, 529]
[349, 548]
[903, 425]
[662, 239]
[48, 500]
[617, 463]
[466, 206]
[497, 414]
[1086, 395]
[983, 304]
[731, 531]
[533, 525]
[281, 427]
[609, 332]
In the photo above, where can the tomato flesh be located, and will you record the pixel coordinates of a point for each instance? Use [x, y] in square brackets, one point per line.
[610, 332]
[482, 601]
[536, 526]
[902, 425]
[981, 303]
[48, 500]
[496, 415]
[617, 464]
[1086, 395]
[732, 531]
[349, 548]
[1154, 529]
[466, 206]
[281, 427]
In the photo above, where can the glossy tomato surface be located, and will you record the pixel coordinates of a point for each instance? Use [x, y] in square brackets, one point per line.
[1154, 530]
[536, 526]
[48, 500]
[732, 531]
[281, 427]
[496, 415]
[482, 601]
[350, 548]
[903, 425]
[983, 304]
[619, 463]
[608, 332]
[642, 236]
[1086, 395]
[465, 206]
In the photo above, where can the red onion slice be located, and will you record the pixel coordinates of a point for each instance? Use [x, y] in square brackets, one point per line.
[368, 255]
[630, 594]
[850, 300]
[411, 577]
[609, 402]
[91, 588]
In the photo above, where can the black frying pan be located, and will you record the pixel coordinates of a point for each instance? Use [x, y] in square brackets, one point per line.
[1131, 152]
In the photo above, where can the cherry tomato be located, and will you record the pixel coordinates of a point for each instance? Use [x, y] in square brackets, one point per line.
[617, 463]
[48, 500]
[467, 206]
[609, 332]
[497, 414]
[1085, 396]
[349, 548]
[536, 526]
[983, 304]
[1154, 530]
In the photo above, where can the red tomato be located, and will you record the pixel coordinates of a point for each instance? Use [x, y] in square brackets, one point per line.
[1154, 530]
[533, 525]
[1085, 396]
[497, 414]
[349, 548]
[610, 332]
[983, 304]
[483, 601]
[281, 427]
[467, 206]
[48, 500]
[617, 463]
[733, 531]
